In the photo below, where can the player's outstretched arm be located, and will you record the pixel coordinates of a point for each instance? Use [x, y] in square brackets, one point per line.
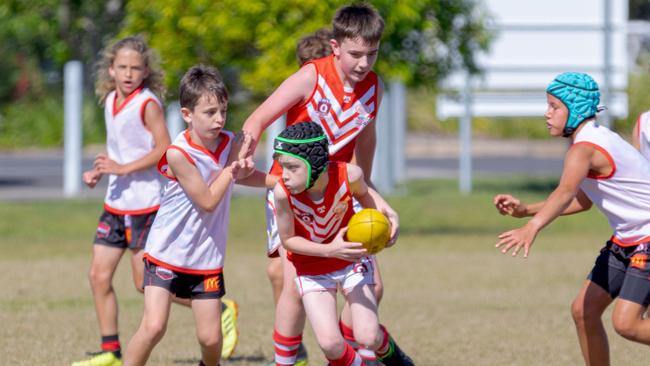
[292, 91]
[154, 120]
[205, 197]
[368, 197]
[91, 177]
[576, 168]
[338, 248]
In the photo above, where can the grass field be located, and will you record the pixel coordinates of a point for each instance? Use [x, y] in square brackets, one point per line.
[451, 298]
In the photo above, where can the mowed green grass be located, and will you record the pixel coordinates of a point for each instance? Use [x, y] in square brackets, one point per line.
[450, 297]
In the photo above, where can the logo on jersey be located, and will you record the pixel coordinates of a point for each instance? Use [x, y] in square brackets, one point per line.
[346, 99]
[324, 106]
[321, 210]
[364, 117]
[103, 229]
[307, 218]
[340, 209]
[211, 284]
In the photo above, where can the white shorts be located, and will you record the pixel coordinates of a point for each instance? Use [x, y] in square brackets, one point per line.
[272, 234]
[356, 274]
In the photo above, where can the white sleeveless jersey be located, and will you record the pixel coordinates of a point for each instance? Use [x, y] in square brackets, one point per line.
[183, 237]
[643, 131]
[624, 195]
[127, 140]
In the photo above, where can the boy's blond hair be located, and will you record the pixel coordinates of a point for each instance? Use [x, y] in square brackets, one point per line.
[104, 83]
[358, 21]
[314, 46]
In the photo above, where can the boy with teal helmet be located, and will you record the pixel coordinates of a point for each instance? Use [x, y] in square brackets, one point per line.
[579, 93]
[603, 169]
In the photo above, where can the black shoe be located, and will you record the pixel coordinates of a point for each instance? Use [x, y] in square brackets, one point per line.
[395, 356]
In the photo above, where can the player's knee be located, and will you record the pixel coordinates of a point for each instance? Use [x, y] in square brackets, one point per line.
[582, 313]
[209, 340]
[154, 329]
[99, 280]
[626, 328]
[368, 336]
[332, 346]
[274, 272]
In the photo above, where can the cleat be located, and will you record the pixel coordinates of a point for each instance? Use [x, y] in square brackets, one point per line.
[395, 356]
[103, 358]
[229, 329]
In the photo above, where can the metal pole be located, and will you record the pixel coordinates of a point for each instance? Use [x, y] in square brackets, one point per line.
[72, 113]
[607, 63]
[398, 123]
[465, 139]
[381, 165]
[175, 123]
[271, 133]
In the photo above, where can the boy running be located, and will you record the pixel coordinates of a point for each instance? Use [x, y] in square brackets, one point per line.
[600, 168]
[185, 251]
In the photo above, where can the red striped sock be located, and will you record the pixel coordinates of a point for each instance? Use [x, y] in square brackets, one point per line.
[348, 358]
[348, 334]
[111, 343]
[384, 348]
[286, 349]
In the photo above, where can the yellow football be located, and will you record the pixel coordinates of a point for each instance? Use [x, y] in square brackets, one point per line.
[370, 228]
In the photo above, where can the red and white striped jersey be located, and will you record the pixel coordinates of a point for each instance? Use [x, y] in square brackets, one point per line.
[320, 221]
[624, 195]
[127, 140]
[342, 113]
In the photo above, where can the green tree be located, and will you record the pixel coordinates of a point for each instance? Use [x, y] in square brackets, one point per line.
[253, 41]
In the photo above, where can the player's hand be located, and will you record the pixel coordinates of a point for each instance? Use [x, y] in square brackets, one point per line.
[509, 205]
[245, 168]
[517, 239]
[393, 218]
[105, 165]
[240, 147]
[346, 250]
[91, 177]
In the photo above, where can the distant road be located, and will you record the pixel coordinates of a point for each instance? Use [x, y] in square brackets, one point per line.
[38, 174]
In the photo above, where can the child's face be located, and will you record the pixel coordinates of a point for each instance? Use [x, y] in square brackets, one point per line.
[355, 57]
[294, 173]
[128, 70]
[207, 117]
[556, 115]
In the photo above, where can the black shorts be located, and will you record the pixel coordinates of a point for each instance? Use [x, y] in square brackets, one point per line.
[124, 231]
[184, 285]
[624, 272]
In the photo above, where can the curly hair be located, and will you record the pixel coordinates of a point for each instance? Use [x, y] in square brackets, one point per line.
[104, 83]
[314, 46]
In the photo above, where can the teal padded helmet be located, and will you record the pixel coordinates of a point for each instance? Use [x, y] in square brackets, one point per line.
[579, 93]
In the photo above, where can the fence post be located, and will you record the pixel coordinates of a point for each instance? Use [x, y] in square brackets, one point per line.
[271, 133]
[72, 129]
[175, 123]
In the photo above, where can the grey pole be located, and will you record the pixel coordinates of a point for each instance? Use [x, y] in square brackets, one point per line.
[271, 133]
[72, 113]
[607, 62]
[465, 139]
[398, 119]
[175, 123]
[382, 163]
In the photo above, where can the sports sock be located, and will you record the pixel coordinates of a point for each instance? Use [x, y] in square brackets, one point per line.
[385, 347]
[111, 343]
[348, 334]
[348, 358]
[286, 348]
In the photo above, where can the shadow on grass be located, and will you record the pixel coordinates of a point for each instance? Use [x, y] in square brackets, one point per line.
[231, 360]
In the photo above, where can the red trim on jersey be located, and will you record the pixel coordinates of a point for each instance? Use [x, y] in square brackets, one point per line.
[162, 163]
[607, 156]
[621, 243]
[142, 110]
[191, 271]
[143, 211]
[225, 139]
[126, 101]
